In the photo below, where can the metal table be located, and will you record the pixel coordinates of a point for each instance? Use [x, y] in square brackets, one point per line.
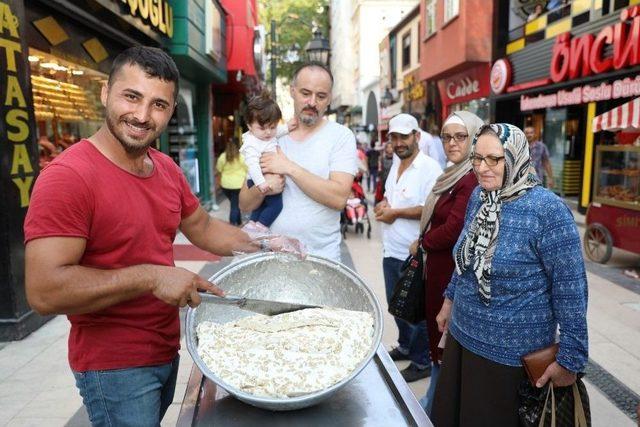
[378, 396]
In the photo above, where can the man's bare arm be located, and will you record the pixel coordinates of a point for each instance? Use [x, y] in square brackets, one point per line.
[56, 284]
[252, 198]
[216, 236]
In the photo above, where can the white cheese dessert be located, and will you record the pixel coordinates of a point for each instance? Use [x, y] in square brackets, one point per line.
[287, 355]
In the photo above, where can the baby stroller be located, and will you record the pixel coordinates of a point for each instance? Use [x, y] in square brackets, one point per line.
[356, 193]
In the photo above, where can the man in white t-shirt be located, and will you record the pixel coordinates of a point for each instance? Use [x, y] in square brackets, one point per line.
[409, 182]
[318, 162]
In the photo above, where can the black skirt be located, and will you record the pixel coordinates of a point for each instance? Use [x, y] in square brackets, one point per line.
[474, 391]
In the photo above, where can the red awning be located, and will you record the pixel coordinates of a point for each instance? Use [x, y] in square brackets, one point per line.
[626, 116]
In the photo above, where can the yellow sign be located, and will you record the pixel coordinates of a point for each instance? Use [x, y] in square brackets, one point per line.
[157, 13]
[413, 90]
[14, 107]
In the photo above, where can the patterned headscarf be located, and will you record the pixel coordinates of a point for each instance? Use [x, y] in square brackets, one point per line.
[479, 243]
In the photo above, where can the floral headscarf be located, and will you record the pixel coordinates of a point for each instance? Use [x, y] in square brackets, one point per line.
[479, 243]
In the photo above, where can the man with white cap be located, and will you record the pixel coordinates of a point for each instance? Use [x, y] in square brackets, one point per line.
[409, 182]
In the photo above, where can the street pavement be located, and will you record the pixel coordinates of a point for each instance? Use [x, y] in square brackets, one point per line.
[37, 387]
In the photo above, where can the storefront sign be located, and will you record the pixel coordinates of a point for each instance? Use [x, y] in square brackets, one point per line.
[157, 13]
[622, 88]
[500, 77]
[16, 109]
[585, 55]
[413, 90]
[462, 87]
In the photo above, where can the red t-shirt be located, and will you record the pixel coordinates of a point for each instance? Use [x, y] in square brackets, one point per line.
[127, 220]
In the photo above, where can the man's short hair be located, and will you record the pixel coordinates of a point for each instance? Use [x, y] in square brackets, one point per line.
[263, 109]
[311, 64]
[155, 63]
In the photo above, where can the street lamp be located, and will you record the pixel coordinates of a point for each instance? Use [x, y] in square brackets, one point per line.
[318, 48]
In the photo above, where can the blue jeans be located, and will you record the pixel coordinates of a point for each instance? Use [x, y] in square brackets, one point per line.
[427, 400]
[235, 217]
[131, 397]
[269, 210]
[412, 339]
[372, 180]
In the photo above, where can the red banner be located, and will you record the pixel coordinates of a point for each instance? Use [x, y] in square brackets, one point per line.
[465, 86]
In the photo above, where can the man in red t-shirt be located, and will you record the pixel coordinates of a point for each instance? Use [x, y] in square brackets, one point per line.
[99, 235]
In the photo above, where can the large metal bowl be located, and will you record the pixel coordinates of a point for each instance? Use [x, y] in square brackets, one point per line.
[280, 277]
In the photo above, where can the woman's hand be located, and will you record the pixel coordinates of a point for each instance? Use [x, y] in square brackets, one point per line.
[444, 315]
[559, 376]
[413, 249]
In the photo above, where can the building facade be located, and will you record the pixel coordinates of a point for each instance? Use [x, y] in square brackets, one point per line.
[559, 71]
[455, 65]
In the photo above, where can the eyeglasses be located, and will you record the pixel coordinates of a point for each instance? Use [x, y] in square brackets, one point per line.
[489, 160]
[458, 137]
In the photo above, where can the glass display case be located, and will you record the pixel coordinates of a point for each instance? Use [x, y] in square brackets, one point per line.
[617, 176]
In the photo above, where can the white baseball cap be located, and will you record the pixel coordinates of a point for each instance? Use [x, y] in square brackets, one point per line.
[404, 124]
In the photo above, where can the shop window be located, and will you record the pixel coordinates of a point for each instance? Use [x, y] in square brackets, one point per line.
[66, 100]
[406, 50]
[451, 9]
[430, 18]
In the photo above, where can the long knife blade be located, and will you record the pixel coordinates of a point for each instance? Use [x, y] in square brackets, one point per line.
[269, 308]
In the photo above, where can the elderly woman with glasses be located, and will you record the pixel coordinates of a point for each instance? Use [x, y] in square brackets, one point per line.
[519, 277]
[442, 220]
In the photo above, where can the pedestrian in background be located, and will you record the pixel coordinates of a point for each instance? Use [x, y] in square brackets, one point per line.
[443, 212]
[386, 161]
[519, 276]
[373, 163]
[539, 157]
[233, 173]
[431, 146]
[410, 180]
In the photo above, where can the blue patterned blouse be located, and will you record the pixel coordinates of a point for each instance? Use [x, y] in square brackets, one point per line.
[538, 282]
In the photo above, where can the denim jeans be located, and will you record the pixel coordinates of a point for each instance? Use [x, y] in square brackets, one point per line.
[269, 210]
[412, 339]
[427, 400]
[131, 397]
[235, 217]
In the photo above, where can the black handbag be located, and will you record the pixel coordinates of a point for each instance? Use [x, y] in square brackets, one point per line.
[554, 406]
[407, 298]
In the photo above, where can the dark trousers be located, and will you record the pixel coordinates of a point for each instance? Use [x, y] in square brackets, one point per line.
[475, 392]
[269, 210]
[411, 338]
[372, 180]
[235, 217]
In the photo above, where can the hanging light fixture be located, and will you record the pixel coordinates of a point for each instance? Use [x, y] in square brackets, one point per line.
[318, 48]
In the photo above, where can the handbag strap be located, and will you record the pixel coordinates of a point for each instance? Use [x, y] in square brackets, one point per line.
[553, 408]
[579, 418]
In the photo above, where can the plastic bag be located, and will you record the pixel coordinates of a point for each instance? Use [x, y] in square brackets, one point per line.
[269, 242]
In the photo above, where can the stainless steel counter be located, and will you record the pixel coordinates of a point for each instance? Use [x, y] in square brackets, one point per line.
[378, 396]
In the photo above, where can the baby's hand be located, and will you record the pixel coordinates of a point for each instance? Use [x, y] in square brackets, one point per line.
[292, 124]
[264, 187]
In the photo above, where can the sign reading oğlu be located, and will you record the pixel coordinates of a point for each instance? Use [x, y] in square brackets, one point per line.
[583, 56]
[158, 13]
[623, 88]
[16, 109]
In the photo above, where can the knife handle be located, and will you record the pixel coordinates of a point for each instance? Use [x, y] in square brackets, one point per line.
[227, 300]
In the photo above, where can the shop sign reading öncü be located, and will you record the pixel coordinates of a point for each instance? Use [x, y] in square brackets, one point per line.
[583, 56]
[623, 88]
[158, 13]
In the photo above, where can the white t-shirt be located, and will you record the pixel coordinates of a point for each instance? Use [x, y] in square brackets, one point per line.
[432, 147]
[331, 149]
[410, 190]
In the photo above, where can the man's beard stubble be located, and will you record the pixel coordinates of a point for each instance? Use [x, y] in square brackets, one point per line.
[131, 149]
